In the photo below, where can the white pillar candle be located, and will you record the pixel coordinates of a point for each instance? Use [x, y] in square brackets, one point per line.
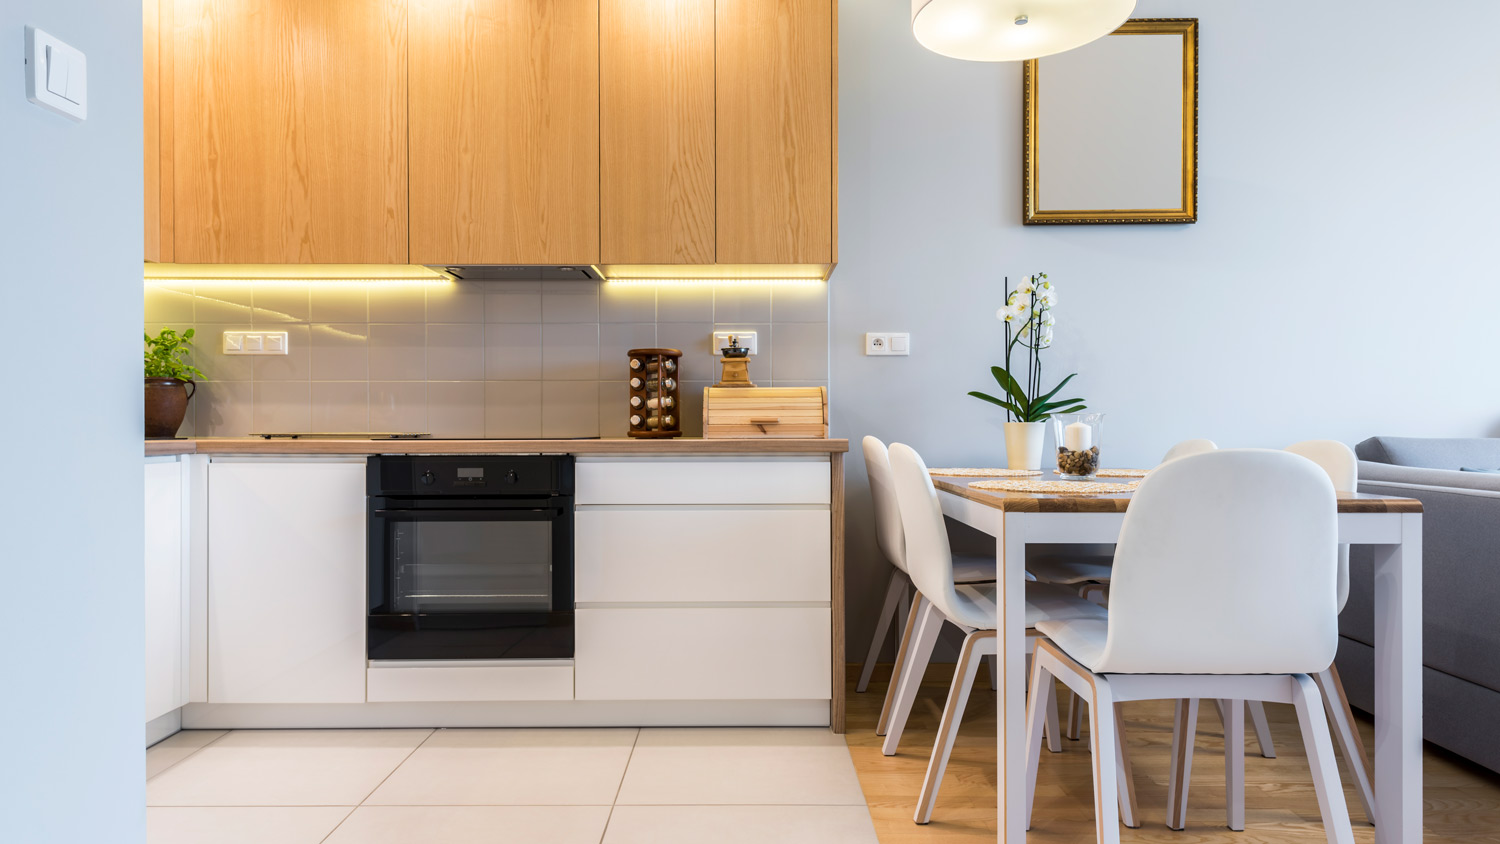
[1078, 437]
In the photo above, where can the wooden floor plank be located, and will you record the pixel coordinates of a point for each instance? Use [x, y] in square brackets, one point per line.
[1462, 800]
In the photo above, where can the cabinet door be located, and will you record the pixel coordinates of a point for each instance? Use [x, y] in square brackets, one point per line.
[504, 131]
[164, 604]
[289, 131]
[656, 150]
[774, 131]
[286, 582]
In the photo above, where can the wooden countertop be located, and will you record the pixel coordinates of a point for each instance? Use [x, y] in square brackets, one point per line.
[1030, 502]
[620, 445]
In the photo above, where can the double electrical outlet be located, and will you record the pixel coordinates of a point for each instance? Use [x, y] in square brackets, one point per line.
[887, 343]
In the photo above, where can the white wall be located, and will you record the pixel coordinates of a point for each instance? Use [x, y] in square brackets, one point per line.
[70, 228]
[1341, 281]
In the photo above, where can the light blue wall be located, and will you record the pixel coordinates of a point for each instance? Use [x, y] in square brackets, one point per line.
[1341, 281]
[71, 569]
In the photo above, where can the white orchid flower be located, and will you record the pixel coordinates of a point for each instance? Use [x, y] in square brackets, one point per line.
[1046, 295]
[1026, 286]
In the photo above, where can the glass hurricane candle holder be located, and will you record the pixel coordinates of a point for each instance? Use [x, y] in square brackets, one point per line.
[1078, 436]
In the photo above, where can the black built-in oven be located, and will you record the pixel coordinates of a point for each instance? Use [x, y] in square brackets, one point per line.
[470, 557]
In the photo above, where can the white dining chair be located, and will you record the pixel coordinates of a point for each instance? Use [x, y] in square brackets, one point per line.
[897, 605]
[1225, 587]
[972, 607]
[1342, 467]
[1090, 575]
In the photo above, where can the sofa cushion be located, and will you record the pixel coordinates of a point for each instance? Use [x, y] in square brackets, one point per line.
[1431, 452]
[1481, 471]
[1447, 478]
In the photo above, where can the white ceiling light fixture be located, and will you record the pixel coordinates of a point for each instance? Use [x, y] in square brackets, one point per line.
[1013, 30]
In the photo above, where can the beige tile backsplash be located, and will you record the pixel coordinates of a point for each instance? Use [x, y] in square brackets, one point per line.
[471, 359]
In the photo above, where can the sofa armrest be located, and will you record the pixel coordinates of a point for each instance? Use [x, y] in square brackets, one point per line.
[1460, 569]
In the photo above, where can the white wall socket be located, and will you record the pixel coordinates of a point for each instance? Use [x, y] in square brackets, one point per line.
[256, 343]
[887, 343]
[746, 338]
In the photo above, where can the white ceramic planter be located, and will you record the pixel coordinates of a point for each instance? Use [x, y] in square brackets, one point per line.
[1023, 444]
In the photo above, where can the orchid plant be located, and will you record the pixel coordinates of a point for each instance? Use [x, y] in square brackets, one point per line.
[1028, 319]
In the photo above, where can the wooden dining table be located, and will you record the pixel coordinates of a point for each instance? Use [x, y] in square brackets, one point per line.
[1392, 525]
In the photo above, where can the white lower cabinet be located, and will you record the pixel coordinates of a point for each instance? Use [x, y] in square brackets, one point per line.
[286, 584]
[165, 607]
[704, 653]
[412, 682]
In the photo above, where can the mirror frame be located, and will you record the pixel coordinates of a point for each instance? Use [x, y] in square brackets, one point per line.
[1188, 212]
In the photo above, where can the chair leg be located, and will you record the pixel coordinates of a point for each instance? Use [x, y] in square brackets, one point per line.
[1234, 763]
[1130, 811]
[926, 635]
[1054, 736]
[992, 662]
[902, 651]
[1350, 743]
[1325, 768]
[975, 645]
[1262, 729]
[1040, 698]
[1075, 716]
[1184, 732]
[1102, 740]
[893, 592]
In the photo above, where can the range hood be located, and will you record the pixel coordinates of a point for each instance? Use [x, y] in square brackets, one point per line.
[519, 272]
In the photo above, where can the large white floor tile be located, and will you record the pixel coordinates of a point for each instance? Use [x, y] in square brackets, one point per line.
[242, 825]
[740, 825]
[511, 768]
[177, 747]
[788, 766]
[473, 825]
[285, 768]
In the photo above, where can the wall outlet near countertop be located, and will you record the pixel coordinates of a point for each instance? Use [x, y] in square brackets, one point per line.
[884, 343]
[256, 343]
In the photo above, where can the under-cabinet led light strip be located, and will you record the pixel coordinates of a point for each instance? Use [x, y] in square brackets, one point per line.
[717, 281]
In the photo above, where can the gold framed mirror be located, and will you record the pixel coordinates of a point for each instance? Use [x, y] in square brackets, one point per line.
[1115, 140]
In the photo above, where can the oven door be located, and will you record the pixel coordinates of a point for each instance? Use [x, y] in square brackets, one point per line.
[458, 578]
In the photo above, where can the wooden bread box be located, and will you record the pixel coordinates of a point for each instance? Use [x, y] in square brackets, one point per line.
[754, 412]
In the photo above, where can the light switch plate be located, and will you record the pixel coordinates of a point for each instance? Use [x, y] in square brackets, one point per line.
[887, 343]
[746, 338]
[256, 343]
[56, 75]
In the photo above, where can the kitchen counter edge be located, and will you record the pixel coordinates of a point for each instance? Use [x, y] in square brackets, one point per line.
[619, 445]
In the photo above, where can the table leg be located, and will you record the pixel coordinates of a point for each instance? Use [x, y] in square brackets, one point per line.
[1011, 696]
[1398, 686]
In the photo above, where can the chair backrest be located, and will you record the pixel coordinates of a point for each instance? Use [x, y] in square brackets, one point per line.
[1226, 564]
[1186, 447]
[888, 533]
[929, 558]
[1342, 466]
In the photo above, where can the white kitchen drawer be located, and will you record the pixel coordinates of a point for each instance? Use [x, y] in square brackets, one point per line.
[702, 554]
[703, 654]
[666, 481]
[403, 682]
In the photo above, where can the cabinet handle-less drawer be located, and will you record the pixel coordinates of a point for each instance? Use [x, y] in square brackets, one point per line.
[703, 654]
[702, 554]
[703, 482]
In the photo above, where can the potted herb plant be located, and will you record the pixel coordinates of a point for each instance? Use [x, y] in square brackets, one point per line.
[169, 381]
[1027, 315]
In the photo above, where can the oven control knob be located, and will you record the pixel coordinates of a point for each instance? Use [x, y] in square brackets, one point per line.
[428, 477]
[511, 477]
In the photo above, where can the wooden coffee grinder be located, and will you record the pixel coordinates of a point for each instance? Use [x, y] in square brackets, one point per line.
[736, 365]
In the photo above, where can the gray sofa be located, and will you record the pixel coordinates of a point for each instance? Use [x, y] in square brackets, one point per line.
[1460, 587]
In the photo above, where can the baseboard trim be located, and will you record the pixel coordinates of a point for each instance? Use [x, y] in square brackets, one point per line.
[570, 713]
[163, 727]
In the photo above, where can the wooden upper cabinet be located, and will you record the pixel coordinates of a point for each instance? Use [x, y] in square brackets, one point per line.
[774, 135]
[289, 131]
[656, 134]
[504, 131]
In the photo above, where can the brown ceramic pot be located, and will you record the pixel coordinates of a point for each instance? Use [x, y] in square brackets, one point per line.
[166, 405]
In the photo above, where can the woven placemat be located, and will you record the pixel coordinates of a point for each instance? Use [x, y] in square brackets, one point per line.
[986, 473]
[1057, 487]
[1114, 473]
